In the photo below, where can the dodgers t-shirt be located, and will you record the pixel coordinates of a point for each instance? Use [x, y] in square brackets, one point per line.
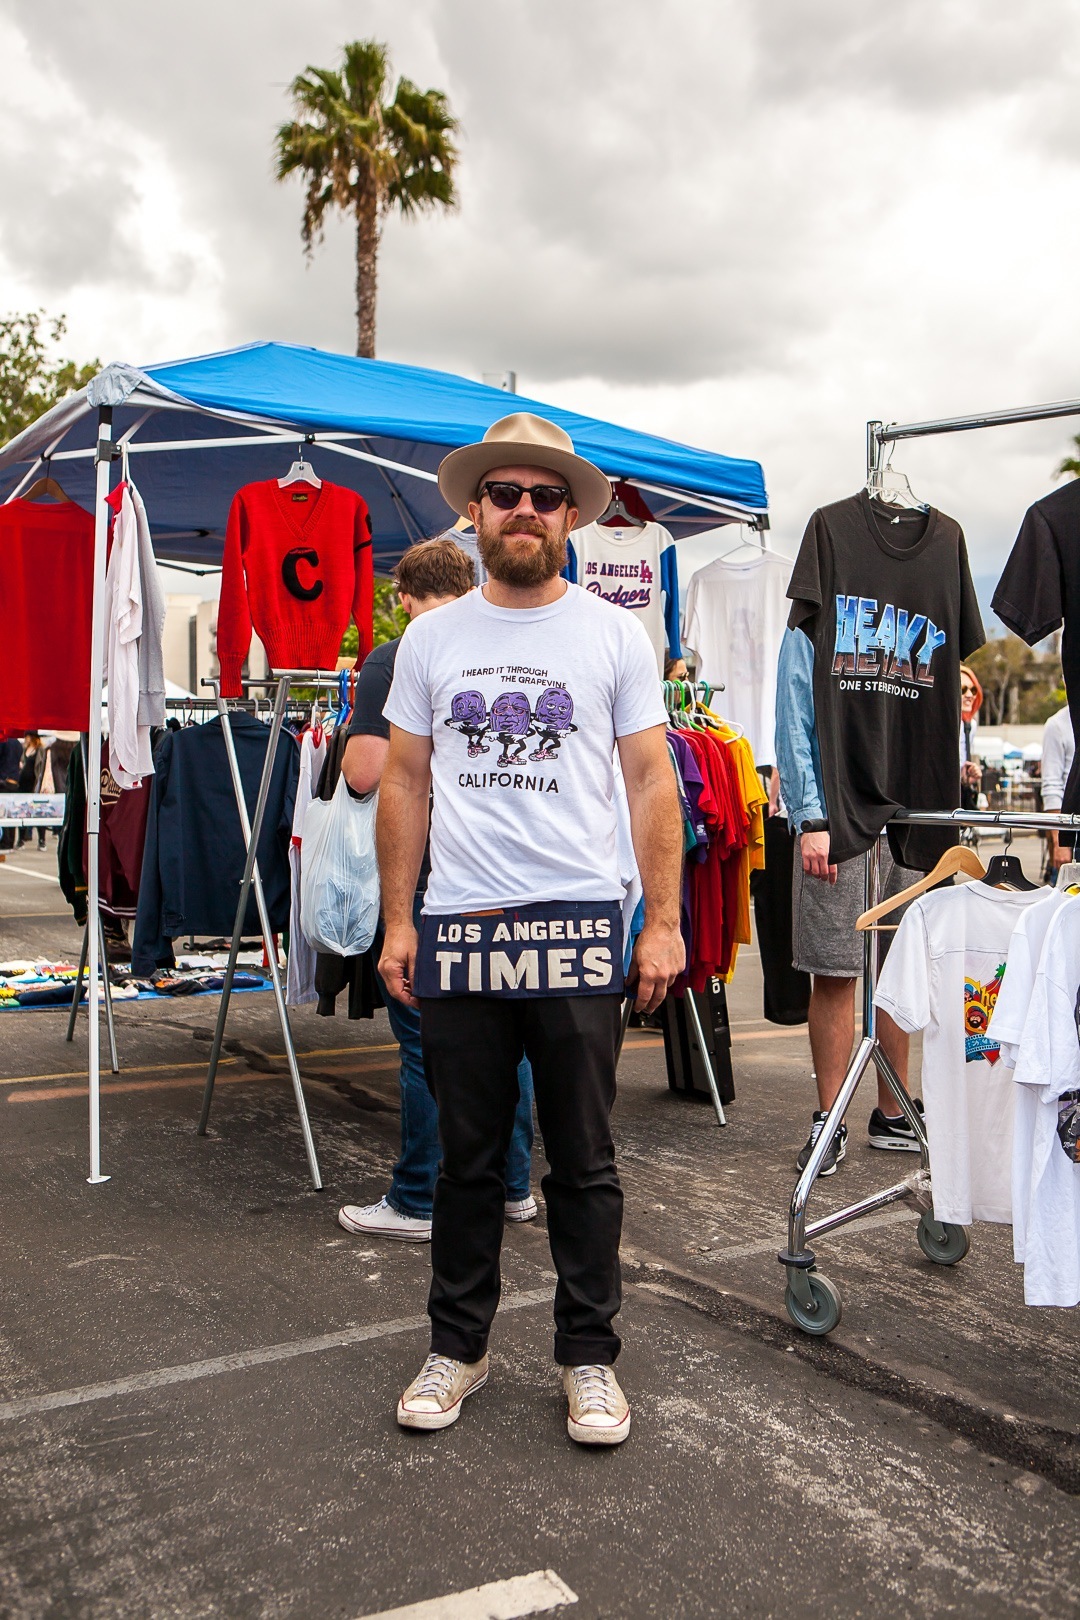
[886, 598]
[524, 706]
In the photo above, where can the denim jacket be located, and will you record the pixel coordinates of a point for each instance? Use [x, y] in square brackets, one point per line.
[798, 758]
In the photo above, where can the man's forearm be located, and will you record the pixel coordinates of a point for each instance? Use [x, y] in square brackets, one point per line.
[656, 830]
[401, 831]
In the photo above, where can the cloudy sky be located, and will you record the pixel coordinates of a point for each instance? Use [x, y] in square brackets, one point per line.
[749, 225]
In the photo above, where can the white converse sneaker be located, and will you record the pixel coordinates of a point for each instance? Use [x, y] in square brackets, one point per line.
[599, 1411]
[382, 1220]
[521, 1209]
[433, 1399]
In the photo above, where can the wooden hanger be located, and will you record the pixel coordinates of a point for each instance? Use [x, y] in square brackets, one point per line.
[957, 859]
[46, 486]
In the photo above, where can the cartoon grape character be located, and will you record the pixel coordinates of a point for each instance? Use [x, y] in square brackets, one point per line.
[511, 721]
[552, 722]
[468, 714]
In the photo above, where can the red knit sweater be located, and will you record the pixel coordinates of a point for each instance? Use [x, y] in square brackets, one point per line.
[297, 565]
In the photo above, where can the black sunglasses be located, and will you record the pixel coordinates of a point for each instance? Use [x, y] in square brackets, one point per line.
[546, 498]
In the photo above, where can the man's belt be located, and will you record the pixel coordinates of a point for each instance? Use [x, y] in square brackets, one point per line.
[554, 948]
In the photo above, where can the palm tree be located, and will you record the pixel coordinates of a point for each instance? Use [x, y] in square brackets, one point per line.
[366, 155]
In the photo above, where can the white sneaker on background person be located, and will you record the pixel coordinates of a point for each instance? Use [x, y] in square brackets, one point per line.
[383, 1220]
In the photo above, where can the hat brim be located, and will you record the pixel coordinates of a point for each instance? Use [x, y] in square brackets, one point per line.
[462, 471]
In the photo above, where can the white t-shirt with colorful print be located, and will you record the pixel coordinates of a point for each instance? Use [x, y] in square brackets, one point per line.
[942, 975]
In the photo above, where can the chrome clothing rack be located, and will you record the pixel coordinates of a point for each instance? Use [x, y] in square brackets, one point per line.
[282, 680]
[813, 1302]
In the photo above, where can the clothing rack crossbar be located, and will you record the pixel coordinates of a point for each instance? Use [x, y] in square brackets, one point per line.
[878, 434]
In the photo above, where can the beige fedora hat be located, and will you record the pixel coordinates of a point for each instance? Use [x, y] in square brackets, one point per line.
[523, 440]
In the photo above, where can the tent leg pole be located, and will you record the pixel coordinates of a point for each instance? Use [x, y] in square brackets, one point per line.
[93, 785]
[77, 993]
[107, 986]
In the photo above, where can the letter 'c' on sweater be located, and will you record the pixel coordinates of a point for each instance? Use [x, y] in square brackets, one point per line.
[289, 573]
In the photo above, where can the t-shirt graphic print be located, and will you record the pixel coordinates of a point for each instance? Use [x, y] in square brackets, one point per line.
[512, 721]
[979, 1003]
[886, 598]
[524, 707]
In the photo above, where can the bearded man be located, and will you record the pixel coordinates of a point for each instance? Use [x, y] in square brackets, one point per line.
[520, 947]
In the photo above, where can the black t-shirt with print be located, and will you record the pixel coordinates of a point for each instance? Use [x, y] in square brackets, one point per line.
[886, 598]
[1040, 589]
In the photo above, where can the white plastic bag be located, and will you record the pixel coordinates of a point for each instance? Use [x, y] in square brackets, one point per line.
[339, 876]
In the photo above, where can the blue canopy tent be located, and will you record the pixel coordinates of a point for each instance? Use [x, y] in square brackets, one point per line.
[378, 427]
[198, 429]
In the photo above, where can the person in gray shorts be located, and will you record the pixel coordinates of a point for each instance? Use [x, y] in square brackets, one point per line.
[826, 903]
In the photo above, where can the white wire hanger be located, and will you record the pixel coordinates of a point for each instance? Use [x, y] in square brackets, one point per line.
[747, 542]
[301, 472]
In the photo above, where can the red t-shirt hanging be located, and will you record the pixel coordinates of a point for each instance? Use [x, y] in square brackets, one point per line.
[46, 599]
[297, 564]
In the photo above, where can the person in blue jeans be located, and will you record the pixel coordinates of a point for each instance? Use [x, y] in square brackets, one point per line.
[428, 576]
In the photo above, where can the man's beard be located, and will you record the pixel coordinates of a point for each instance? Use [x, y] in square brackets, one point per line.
[513, 564]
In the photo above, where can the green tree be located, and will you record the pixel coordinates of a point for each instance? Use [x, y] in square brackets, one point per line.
[366, 155]
[1021, 685]
[32, 378]
[388, 622]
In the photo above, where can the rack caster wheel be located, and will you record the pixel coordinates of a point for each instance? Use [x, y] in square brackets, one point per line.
[941, 1243]
[823, 1312]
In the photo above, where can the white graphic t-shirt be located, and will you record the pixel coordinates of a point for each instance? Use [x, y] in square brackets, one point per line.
[524, 707]
[632, 568]
[943, 974]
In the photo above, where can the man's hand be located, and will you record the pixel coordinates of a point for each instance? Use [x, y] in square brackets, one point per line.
[397, 963]
[1061, 853]
[815, 856]
[659, 957]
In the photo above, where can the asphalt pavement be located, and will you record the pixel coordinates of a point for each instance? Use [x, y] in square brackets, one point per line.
[198, 1368]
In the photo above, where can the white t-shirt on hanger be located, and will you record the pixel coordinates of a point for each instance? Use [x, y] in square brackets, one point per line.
[1007, 1028]
[634, 568]
[1048, 1064]
[942, 975]
[734, 620]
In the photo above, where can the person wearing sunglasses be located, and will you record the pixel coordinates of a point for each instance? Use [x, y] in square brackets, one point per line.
[519, 952]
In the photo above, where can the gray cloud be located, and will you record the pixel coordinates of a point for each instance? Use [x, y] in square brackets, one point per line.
[750, 225]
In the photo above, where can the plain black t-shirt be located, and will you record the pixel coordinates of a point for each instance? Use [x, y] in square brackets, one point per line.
[369, 699]
[1040, 588]
[372, 690]
[886, 597]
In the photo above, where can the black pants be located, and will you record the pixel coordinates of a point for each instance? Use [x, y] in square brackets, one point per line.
[472, 1046]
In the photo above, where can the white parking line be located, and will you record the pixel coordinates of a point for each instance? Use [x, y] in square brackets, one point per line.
[537, 1593]
[28, 1405]
[26, 871]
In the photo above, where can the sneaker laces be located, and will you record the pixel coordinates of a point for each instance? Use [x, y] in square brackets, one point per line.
[594, 1388]
[436, 1377]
